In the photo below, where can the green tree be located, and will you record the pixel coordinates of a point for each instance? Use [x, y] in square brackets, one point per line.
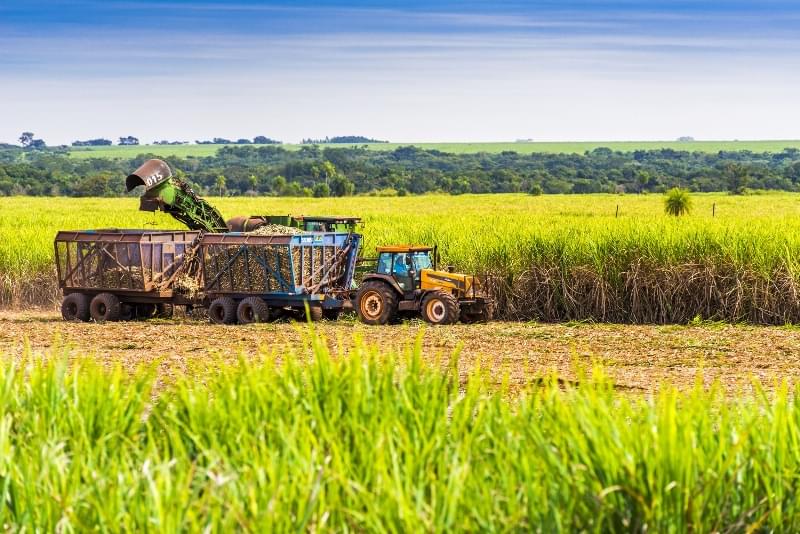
[326, 170]
[677, 202]
[96, 185]
[321, 190]
[341, 186]
[292, 189]
[278, 184]
[220, 184]
[738, 178]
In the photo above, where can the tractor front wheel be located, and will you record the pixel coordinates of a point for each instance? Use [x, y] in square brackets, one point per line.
[439, 307]
[376, 303]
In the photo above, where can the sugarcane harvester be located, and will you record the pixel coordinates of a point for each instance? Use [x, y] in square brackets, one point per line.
[168, 193]
[238, 276]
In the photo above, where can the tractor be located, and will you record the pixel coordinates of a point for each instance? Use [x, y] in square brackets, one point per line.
[406, 281]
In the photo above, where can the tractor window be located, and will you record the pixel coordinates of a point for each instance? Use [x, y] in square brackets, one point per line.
[400, 270]
[399, 267]
[385, 263]
[422, 260]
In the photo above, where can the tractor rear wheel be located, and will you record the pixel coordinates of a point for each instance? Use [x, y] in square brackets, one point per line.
[439, 307]
[75, 307]
[105, 307]
[376, 303]
[222, 311]
[252, 310]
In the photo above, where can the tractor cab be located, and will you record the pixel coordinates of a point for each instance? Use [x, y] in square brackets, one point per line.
[405, 263]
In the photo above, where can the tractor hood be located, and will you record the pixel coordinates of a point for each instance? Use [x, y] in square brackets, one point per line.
[150, 174]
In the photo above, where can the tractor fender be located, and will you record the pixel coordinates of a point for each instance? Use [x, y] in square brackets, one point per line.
[387, 279]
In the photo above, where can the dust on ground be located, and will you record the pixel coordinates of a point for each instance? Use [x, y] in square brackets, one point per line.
[636, 357]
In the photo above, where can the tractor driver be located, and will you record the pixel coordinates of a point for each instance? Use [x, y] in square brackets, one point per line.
[400, 271]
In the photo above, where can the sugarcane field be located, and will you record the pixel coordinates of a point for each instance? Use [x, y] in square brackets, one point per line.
[553, 285]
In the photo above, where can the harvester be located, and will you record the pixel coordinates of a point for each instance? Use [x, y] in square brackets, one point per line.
[406, 280]
[168, 193]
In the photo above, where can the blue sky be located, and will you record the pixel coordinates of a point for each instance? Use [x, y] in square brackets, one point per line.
[404, 71]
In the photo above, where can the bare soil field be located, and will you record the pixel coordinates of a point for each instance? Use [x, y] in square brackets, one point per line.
[637, 357]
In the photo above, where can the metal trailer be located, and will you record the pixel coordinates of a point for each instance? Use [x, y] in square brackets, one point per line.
[248, 278]
[115, 274]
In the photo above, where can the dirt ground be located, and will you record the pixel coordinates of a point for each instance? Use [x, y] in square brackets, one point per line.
[638, 358]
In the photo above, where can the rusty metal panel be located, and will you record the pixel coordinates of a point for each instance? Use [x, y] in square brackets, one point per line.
[132, 260]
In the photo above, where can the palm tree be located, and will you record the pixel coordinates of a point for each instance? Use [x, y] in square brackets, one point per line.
[677, 202]
[220, 183]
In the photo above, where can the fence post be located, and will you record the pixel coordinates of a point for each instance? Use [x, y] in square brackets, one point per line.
[617, 213]
[714, 209]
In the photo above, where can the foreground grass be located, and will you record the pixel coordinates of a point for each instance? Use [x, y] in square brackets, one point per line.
[571, 147]
[379, 443]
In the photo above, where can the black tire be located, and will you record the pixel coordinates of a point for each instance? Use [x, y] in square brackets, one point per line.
[105, 307]
[145, 311]
[222, 311]
[128, 312]
[164, 310]
[440, 308]
[315, 314]
[376, 303]
[75, 307]
[331, 314]
[252, 310]
[483, 316]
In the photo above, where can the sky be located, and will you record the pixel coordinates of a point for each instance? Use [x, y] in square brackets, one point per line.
[411, 71]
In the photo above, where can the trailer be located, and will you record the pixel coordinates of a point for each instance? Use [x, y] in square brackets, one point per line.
[112, 275]
[251, 278]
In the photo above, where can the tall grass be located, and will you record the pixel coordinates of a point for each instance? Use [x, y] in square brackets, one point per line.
[380, 443]
[548, 258]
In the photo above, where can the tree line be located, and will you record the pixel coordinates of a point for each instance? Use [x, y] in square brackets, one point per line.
[332, 171]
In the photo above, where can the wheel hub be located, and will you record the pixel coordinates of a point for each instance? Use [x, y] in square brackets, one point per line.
[436, 310]
[372, 304]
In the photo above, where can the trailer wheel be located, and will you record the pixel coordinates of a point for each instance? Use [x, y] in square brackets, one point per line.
[252, 310]
[222, 311]
[105, 307]
[145, 311]
[75, 307]
[165, 310]
[376, 303]
[315, 314]
[439, 307]
[331, 314]
[128, 312]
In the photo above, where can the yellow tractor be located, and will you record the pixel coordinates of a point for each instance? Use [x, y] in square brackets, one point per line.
[406, 281]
